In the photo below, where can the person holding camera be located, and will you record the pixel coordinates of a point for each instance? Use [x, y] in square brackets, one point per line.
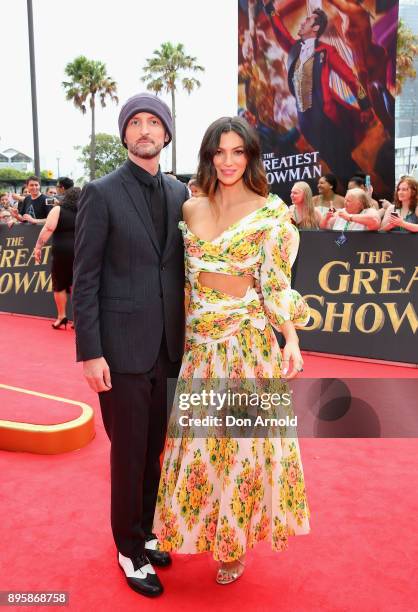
[357, 215]
[35, 207]
[402, 215]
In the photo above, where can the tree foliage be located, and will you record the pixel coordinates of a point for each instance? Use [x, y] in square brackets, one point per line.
[110, 154]
[16, 175]
[89, 82]
[407, 50]
[162, 73]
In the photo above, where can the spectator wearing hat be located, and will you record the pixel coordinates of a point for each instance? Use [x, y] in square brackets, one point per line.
[128, 298]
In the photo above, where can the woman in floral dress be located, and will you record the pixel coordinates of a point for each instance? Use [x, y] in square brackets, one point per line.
[224, 494]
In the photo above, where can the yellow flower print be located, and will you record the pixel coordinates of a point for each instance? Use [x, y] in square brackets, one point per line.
[236, 506]
[194, 491]
[229, 494]
[195, 498]
[280, 535]
[228, 546]
[169, 536]
[192, 249]
[210, 249]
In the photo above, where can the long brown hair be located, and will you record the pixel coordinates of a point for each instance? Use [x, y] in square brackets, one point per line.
[309, 220]
[254, 176]
[413, 184]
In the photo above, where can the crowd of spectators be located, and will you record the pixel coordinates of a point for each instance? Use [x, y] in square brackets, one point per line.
[360, 211]
[31, 205]
[356, 211]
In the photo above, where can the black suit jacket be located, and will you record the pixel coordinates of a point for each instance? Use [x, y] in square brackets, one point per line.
[125, 291]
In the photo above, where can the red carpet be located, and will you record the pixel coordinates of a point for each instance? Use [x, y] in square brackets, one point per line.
[36, 410]
[55, 534]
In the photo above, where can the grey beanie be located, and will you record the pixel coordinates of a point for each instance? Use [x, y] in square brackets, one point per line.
[148, 103]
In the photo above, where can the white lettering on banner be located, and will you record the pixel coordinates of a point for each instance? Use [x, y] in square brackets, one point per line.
[291, 168]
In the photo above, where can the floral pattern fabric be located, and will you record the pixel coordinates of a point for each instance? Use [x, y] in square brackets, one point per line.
[223, 494]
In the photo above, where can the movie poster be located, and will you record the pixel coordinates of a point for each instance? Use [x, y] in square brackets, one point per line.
[317, 80]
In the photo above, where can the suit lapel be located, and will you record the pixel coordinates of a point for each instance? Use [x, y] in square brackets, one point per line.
[135, 193]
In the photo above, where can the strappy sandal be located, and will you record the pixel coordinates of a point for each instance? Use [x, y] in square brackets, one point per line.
[227, 575]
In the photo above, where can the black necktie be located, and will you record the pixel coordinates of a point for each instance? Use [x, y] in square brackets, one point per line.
[158, 212]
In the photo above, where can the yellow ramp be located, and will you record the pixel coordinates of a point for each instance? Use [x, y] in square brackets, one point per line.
[47, 439]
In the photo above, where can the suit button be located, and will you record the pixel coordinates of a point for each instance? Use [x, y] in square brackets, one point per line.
[162, 268]
[161, 295]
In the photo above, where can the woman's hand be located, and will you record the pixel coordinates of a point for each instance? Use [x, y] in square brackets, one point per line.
[344, 215]
[327, 219]
[292, 361]
[385, 203]
[396, 220]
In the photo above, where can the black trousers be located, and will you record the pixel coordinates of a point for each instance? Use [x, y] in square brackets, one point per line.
[134, 414]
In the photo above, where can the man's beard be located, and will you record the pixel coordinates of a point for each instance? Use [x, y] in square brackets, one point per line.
[143, 150]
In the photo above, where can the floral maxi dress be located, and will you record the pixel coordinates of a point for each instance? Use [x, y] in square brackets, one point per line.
[223, 494]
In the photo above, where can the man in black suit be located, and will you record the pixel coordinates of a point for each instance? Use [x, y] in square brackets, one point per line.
[128, 298]
[323, 117]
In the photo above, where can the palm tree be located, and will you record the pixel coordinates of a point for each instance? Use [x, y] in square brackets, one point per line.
[407, 50]
[89, 79]
[164, 70]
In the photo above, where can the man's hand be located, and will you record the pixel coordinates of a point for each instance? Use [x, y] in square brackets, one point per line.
[14, 212]
[97, 374]
[29, 218]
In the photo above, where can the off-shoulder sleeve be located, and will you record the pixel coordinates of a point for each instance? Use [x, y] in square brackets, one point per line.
[281, 302]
